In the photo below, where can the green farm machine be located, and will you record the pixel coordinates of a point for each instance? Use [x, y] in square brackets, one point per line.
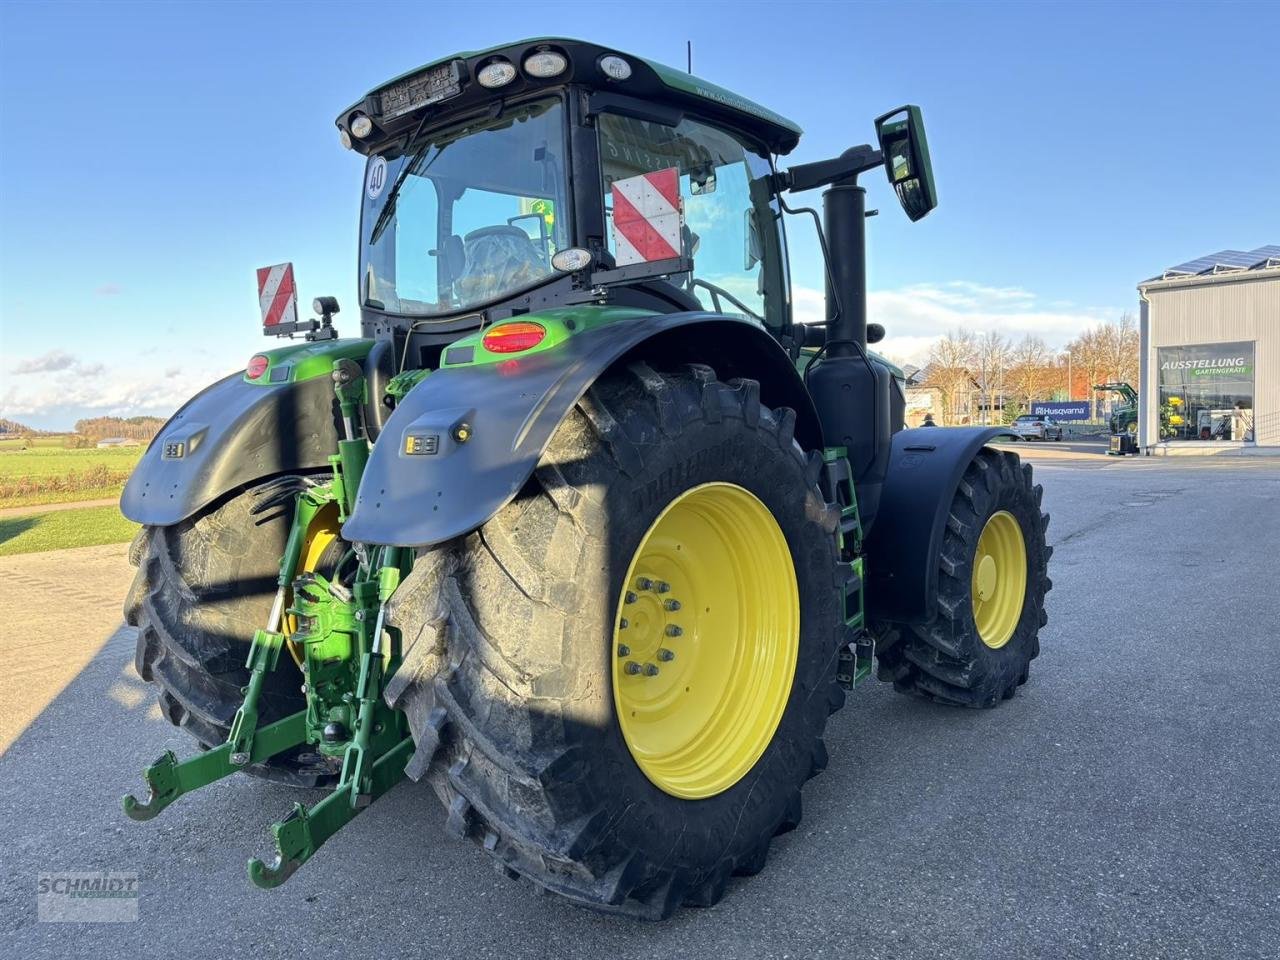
[1124, 414]
[572, 532]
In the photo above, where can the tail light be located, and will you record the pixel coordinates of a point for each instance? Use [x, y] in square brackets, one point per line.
[256, 367]
[514, 337]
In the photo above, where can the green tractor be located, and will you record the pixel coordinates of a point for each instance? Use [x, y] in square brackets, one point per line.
[568, 533]
[1124, 415]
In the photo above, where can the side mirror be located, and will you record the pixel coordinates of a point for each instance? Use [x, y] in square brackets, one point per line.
[906, 160]
[702, 179]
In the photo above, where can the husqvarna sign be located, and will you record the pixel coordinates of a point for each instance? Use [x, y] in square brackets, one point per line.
[1062, 409]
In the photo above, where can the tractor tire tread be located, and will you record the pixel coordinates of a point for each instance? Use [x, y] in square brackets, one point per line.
[944, 660]
[196, 599]
[503, 765]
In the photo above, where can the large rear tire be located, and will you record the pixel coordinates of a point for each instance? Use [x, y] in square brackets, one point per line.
[512, 661]
[992, 580]
[202, 588]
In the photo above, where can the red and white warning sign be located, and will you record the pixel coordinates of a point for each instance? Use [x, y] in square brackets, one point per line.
[277, 295]
[647, 217]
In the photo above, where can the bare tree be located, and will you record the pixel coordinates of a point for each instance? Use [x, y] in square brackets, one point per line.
[1087, 355]
[1118, 343]
[991, 358]
[951, 360]
[1030, 366]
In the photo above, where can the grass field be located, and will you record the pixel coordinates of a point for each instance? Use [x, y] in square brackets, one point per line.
[63, 529]
[47, 474]
[55, 461]
[58, 440]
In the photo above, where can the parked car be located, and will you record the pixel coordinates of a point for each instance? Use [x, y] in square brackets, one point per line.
[1029, 426]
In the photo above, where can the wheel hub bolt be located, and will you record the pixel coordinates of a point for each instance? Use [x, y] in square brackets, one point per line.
[666, 655]
[623, 650]
[632, 667]
[630, 597]
[674, 631]
[650, 670]
[644, 583]
[672, 604]
[624, 623]
[662, 586]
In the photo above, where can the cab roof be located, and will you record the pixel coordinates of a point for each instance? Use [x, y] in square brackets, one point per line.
[648, 80]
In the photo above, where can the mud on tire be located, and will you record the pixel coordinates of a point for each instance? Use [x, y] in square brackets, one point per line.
[507, 678]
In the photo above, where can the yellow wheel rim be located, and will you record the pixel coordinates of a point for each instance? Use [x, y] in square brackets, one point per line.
[999, 583]
[706, 636]
[324, 529]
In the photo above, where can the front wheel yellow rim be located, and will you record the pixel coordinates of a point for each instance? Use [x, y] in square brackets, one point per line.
[706, 637]
[999, 583]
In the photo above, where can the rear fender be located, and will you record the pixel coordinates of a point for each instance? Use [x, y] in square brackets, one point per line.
[464, 441]
[235, 432]
[902, 549]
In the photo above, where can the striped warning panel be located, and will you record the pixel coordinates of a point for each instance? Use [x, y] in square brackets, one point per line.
[277, 295]
[647, 217]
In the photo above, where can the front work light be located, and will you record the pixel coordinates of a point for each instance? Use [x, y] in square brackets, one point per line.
[571, 260]
[361, 126]
[344, 137]
[614, 67]
[496, 74]
[514, 337]
[545, 63]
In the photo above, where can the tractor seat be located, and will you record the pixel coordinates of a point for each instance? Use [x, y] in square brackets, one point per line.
[498, 259]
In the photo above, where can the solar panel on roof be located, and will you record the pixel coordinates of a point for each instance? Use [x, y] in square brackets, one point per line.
[1236, 259]
[1225, 260]
[1192, 267]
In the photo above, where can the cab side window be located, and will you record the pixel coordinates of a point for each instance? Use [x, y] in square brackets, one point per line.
[731, 227]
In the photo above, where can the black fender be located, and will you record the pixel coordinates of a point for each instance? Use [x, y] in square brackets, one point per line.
[902, 548]
[510, 410]
[228, 435]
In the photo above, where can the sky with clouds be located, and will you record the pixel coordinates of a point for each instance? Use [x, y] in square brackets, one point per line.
[155, 154]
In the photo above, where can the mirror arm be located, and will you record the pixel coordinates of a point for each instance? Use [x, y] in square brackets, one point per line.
[842, 169]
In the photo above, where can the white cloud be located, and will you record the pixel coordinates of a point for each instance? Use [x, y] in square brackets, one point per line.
[75, 392]
[46, 363]
[914, 317]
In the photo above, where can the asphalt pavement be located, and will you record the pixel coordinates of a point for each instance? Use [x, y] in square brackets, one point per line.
[1125, 804]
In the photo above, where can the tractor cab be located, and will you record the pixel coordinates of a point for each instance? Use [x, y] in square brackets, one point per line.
[555, 173]
[548, 172]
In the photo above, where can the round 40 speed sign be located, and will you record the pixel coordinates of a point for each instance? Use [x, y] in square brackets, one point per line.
[376, 179]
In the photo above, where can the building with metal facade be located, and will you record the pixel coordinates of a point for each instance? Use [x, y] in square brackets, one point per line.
[1210, 356]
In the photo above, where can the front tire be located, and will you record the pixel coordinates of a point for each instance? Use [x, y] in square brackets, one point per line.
[992, 580]
[511, 679]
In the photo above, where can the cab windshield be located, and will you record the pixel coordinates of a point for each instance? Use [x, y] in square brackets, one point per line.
[467, 215]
